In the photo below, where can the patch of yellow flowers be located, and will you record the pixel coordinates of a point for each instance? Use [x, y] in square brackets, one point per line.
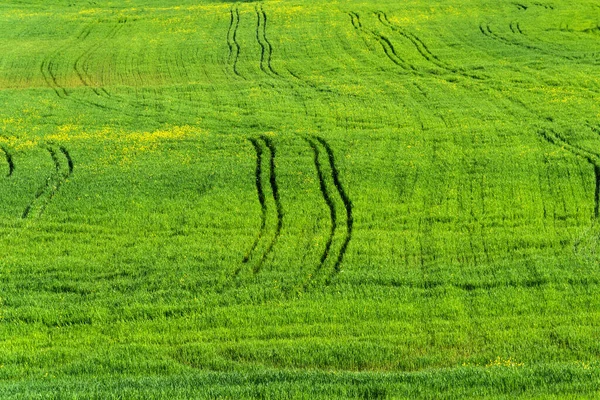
[500, 362]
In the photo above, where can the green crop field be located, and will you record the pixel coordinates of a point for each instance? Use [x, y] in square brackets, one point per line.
[299, 199]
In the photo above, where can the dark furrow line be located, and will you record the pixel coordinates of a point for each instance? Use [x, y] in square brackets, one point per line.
[278, 206]
[235, 42]
[234, 47]
[487, 31]
[266, 39]
[77, 67]
[355, 19]
[418, 43]
[265, 46]
[261, 198]
[86, 55]
[260, 42]
[422, 48]
[53, 182]
[347, 204]
[50, 78]
[229, 45]
[384, 42]
[9, 161]
[389, 50]
[54, 158]
[328, 201]
[47, 64]
[555, 139]
[69, 160]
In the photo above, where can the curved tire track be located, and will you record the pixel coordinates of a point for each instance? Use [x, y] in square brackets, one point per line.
[384, 42]
[583, 59]
[347, 205]
[266, 52]
[593, 159]
[9, 160]
[232, 43]
[52, 184]
[278, 206]
[261, 199]
[261, 145]
[345, 199]
[422, 48]
[328, 201]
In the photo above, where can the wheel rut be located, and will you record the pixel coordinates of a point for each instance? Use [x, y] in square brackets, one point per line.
[593, 159]
[328, 201]
[384, 42]
[330, 187]
[9, 160]
[261, 197]
[232, 43]
[345, 199]
[47, 191]
[266, 48]
[422, 48]
[261, 146]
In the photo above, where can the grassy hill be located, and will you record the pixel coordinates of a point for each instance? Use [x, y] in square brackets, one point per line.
[299, 199]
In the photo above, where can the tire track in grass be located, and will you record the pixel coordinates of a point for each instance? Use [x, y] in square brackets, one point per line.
[260, 145]
[80, 66]
[347, 205]
[49, 73]
[515, 27]
[278, 206]
[593, 159]
[81, 74]
[383, 41]
[261, 199]
[421, 47]
[232, 43]
[486, 30]
[417, 43]
[9, 160]
[266, 50]
[52, 184]
[332, 211]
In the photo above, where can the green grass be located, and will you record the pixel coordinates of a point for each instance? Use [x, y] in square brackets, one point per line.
[299, 199]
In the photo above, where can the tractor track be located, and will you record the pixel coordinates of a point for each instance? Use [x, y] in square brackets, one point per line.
[328, 201]
[417, 43]
[593, 159]
[9, 160]
[261, 145]
[266, 50]
[232, 43]
[49, 73]
[384, 42]
[278, 206]
[486, 30]
[80, 66]
[52, 184]
[347, 205]
[515, 28]
[261, 198]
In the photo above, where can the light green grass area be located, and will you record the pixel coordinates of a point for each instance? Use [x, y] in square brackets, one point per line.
[299, 199]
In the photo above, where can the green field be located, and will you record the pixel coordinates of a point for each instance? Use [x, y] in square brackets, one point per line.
[299, 199]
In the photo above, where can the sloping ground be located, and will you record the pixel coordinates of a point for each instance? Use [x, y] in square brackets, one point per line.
[299, 199]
